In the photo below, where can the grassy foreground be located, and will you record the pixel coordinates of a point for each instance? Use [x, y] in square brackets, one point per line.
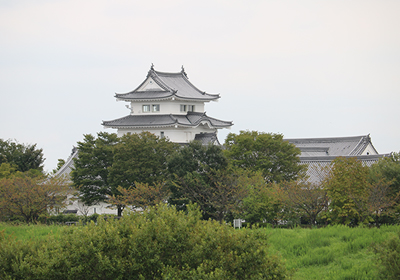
[335, 252]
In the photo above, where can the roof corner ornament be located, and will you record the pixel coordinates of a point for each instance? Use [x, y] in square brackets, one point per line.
[152, 67]
[183, 71]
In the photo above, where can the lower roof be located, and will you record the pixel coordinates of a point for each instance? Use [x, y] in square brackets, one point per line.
[334, 146]
[191, 119]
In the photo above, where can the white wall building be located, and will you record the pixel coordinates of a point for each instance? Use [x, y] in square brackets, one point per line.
[168, 105]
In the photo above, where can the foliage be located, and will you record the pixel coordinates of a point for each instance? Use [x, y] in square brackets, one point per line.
[196, 157]
[388, 168]
[90, 174]
[140, 158]
[219, 193]
[354, 197]
[304, 198]
[157, 244]
[385, 175]
[388, 257]
[7, 170]
[28, 197]
[58, 219]
[260, 205]
[192, 164]
[141, 196]
[278, 160]
[348, 189]
[21, 156]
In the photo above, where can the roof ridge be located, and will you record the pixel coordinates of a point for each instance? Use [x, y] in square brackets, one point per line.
[345, 138]
[153, 74]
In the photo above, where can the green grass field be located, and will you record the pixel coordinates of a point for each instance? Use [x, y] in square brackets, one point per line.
[30, 232]
[335, 252]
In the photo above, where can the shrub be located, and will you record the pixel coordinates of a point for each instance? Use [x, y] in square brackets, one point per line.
[160, 243]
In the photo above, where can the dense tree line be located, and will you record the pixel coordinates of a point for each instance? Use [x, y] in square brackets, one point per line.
[254, 176]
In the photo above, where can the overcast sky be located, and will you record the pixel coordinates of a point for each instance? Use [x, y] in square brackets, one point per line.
[300, 68]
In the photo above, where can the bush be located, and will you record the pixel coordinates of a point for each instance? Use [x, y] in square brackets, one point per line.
[161, 243]
[388, 256]
[58, 219]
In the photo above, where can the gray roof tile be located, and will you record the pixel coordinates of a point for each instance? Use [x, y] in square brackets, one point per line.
[335, 146]
[174, 84]
[191, 119]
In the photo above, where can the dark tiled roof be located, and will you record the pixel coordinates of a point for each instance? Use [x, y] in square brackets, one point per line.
[318, 166]
[207, 138]
[335, 146]
[192, 119]
[145, 95]
[172, 84]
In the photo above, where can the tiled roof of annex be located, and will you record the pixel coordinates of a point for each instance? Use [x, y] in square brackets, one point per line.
[319, 166]
[334, 146]
[207, 138]
[172, 85]
[191, 119]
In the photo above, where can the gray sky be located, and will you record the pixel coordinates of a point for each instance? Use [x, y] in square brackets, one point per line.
[300, 68]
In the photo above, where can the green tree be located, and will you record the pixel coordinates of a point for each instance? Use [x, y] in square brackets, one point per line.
[219, 193]
[23, 157]
[389, 169]
[141, 196]
[28, 197]
[192, 163]
[140, 158]
[278, 160]
[6, 170]
[348, 190]
[90, 174]
[305, 199]
[261, 204]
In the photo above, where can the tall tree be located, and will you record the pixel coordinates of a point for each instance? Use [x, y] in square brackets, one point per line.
[23, 156]
[389, 169]
[141, 196]
[218, 193]
[348, 190]
[304, 198]
[260, 204]
[90, 174]
[193, 161]
[28, 197]
[140, 158]
[278, 160]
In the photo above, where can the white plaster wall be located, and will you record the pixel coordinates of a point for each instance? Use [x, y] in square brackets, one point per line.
[100, 208]
[166, 107]
[178, 135]
[369, 150]
[149, 84]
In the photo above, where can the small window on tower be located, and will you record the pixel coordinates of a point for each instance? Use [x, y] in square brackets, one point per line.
[183, 108]
[190, 108]
[156, 108]
[162, 134]
[146, 108]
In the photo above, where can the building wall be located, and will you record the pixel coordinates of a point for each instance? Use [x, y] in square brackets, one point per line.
[178, 135]
[166, 107]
